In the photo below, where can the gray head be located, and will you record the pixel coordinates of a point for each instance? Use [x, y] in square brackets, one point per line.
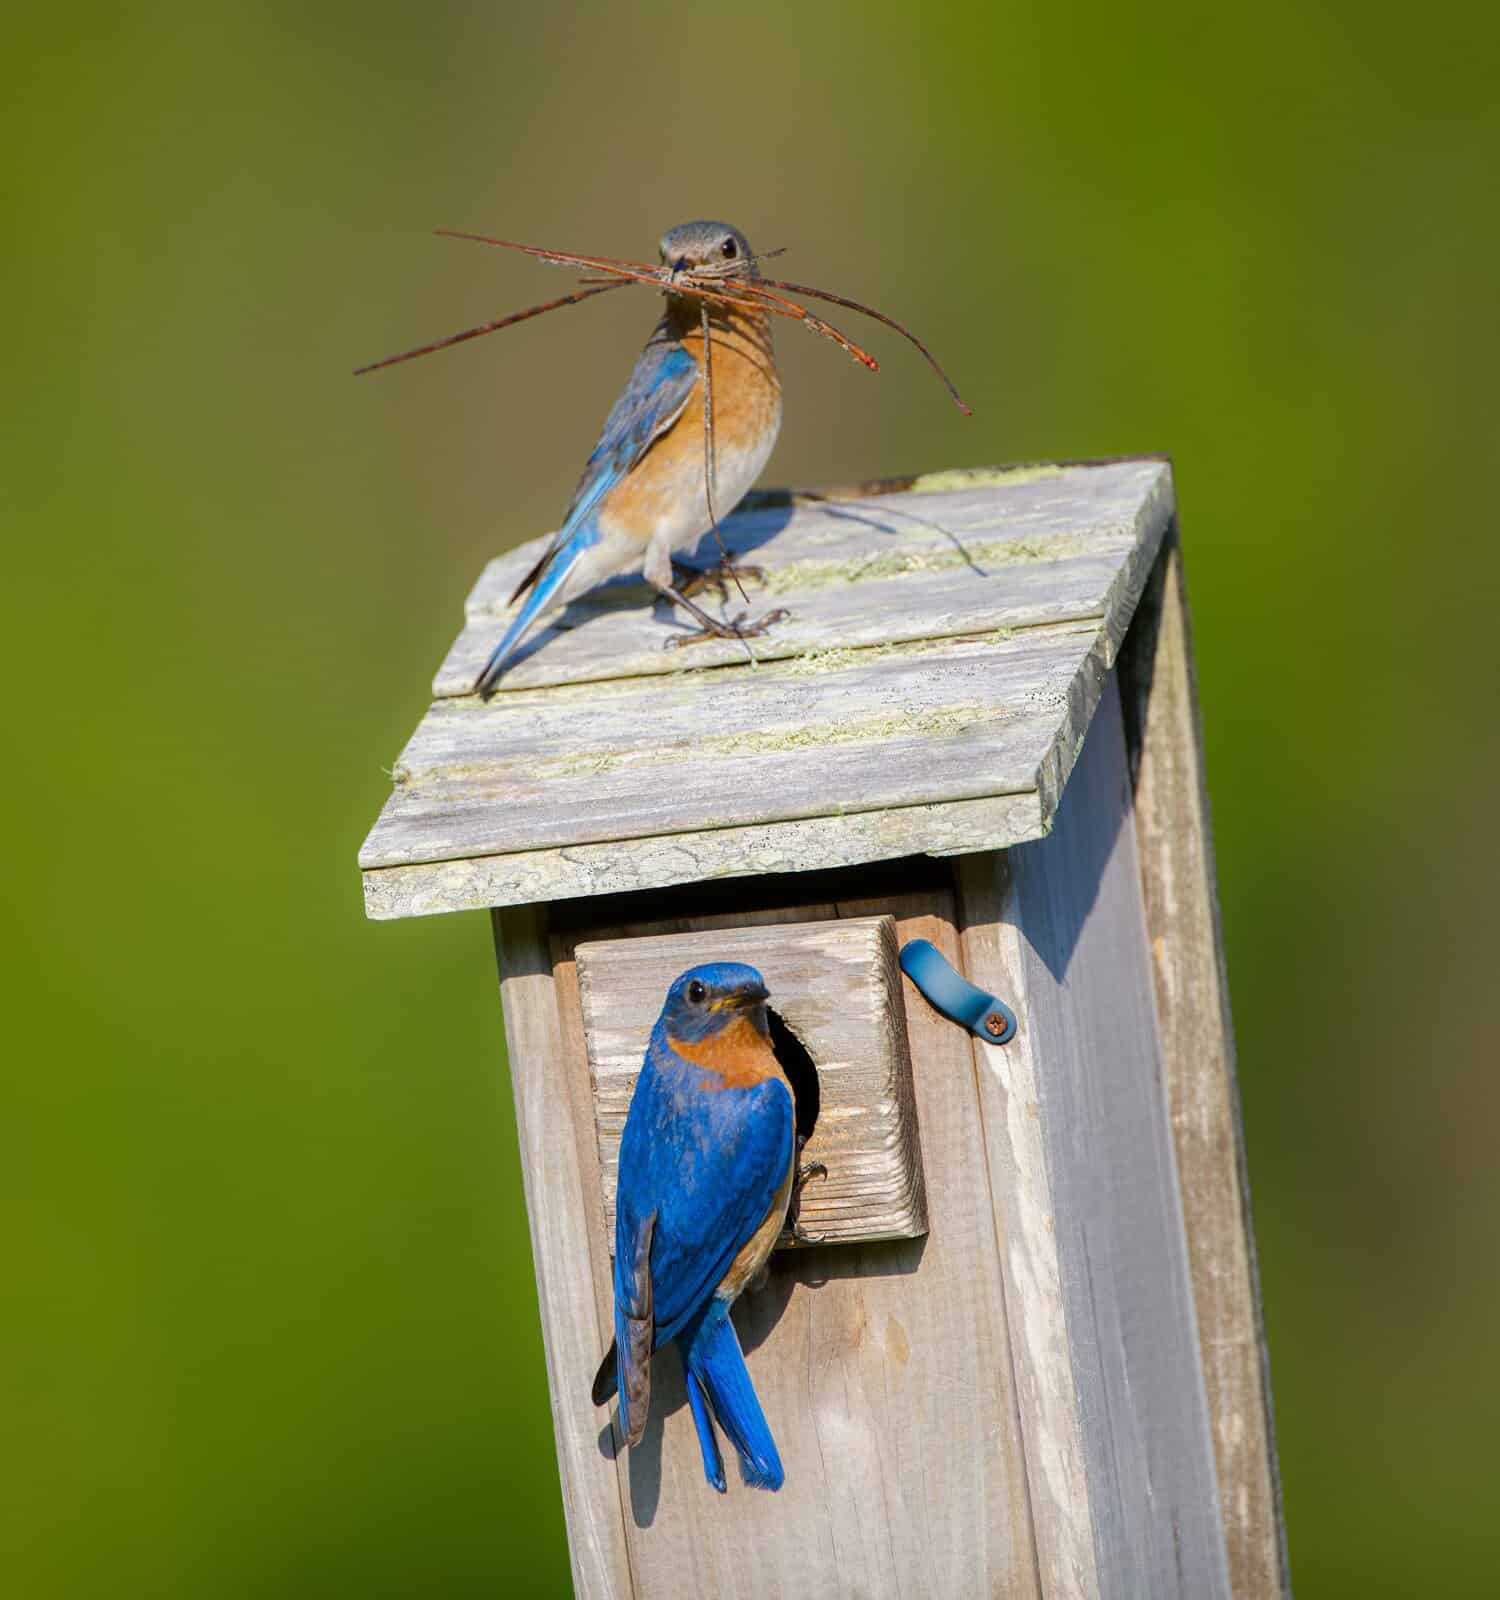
[707, 249]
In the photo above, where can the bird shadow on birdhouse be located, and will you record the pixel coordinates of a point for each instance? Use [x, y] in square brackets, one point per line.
[741, 539]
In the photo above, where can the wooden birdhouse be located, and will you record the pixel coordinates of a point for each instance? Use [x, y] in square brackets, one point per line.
[1025, 1355]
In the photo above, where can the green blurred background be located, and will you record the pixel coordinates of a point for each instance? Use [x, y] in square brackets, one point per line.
[268, 1284]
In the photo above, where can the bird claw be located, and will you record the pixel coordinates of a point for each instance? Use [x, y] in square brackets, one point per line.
[738, 629]
[813, 1169]
[697, 579]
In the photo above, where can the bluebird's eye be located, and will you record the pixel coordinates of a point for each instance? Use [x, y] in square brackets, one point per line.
[729, 249]
[696, 992]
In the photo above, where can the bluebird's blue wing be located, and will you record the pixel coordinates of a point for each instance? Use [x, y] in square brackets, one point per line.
[634, 1324]
[659, 388]
[702, 1173]
[714, 1175]
[651, 402]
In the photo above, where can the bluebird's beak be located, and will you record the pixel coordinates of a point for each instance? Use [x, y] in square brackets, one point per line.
[745, 999]
[749, 1002]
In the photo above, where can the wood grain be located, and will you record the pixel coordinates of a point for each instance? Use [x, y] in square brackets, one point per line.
[1192, 1002]
[838, 987]
[702, 856]
[559, 1214]
[1124, 1391]
[651, 757]
[1049, 1398]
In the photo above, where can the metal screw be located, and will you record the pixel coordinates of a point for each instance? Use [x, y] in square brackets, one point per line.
[994, 1024]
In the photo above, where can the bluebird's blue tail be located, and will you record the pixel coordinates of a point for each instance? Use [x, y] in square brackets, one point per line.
[550, 576]
[716, 1375]
[713, 1462]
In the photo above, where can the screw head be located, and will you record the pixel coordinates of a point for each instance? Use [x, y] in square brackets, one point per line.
[994, 1024]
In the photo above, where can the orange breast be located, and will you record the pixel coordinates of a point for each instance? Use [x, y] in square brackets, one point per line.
[746, 415]
[746, 389]
[737, 1057]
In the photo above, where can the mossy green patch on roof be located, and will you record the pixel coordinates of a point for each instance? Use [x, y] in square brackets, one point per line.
[981, 478]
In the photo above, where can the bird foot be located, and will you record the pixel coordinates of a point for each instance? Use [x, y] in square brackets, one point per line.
[813, 1169]
[738, 629]
[695, 580]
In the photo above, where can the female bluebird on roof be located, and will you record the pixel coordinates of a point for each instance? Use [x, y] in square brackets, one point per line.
[644, 493]
[663, 468]
[706, 1173]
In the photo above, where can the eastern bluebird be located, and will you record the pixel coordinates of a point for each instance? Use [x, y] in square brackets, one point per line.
[645, 490]
[706, 1172]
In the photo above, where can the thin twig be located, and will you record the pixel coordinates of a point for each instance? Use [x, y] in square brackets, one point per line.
[728, 291]
[492, 327]
[769, 301]
[708, 451]
[556, 258]
[879, 316]
[722, 289]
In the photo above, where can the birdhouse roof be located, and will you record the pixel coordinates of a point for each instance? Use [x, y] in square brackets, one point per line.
[947, 642]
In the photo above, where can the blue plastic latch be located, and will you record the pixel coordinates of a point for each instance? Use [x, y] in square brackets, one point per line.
[982, 1014]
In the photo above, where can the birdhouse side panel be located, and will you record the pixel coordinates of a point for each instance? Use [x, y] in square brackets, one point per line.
[1064, 924]
[1192, 1003]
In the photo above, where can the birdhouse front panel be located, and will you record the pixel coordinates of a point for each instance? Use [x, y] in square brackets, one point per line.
[882, 1366]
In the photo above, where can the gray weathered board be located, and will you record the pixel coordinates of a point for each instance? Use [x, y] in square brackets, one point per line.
[1084, 1181]
[1197, 1042]
[837, 986]
[944, 653]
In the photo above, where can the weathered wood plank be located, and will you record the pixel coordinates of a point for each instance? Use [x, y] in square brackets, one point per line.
[621, 634]
[1016, 548]
[955, 721]
[584, 870]
[1048, 1395]
[559, 1217]
[837, 986]
[1192, 1001]
[1137, 1404]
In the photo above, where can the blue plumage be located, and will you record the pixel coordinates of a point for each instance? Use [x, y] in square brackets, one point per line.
[716, 1368]
[659, 387]
[705, 1174]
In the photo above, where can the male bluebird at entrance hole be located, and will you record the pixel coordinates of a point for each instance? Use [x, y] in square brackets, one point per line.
[644, 492]
[705, 1177]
